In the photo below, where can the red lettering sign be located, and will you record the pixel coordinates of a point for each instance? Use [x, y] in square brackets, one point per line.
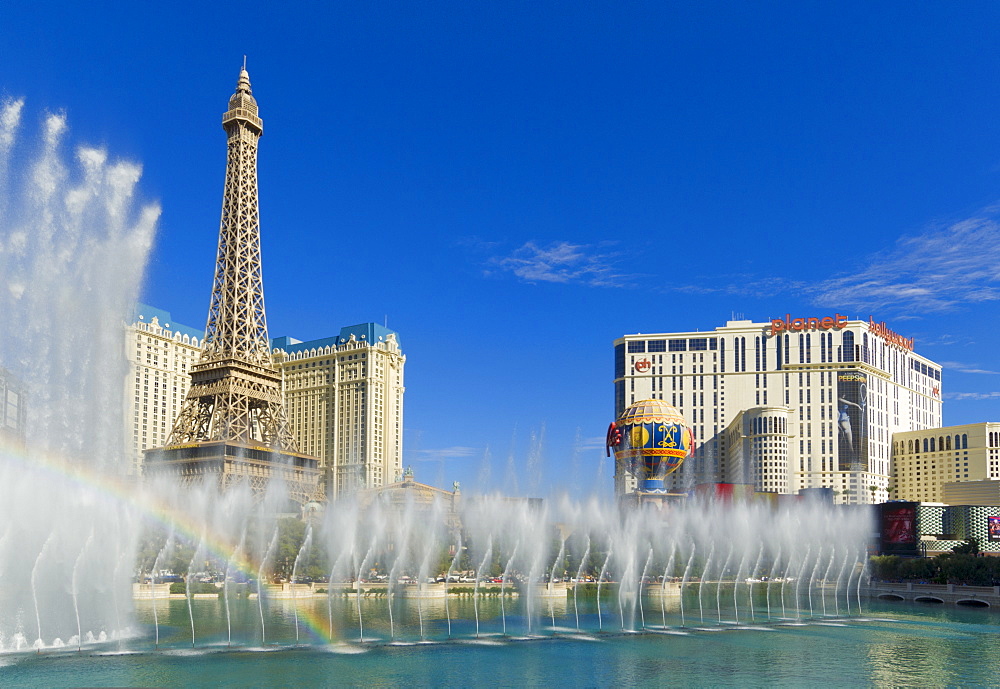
[882, 330]
[836, 321]
[643, 365]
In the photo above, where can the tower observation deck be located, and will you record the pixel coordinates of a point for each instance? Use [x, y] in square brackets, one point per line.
[232, 427]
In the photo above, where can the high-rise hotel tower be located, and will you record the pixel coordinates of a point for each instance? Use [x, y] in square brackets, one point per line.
[785, 404]
[161, 353]
[344, 397]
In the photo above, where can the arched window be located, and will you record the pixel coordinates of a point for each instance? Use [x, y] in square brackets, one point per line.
[932, 445]
[848, 346]
[965, 441]
[925, 444]
[947, 442]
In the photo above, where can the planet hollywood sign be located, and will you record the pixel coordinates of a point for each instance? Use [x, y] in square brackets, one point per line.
[837, 322]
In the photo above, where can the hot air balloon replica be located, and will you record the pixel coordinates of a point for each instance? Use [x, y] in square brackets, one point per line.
[650, 439]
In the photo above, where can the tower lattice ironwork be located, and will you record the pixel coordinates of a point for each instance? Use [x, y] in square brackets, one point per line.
[233, 421]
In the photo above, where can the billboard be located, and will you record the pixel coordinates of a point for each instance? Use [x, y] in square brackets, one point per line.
[993, 528]
[898, 528]
[852, 421]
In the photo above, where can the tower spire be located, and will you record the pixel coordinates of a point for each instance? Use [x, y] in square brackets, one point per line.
[235, 399]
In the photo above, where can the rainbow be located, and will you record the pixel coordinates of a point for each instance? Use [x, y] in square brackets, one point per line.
[54, 472]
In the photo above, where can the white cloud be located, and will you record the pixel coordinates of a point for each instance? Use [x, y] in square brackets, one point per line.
[959, 367]
[742, 285]
[563, 262]
[934, 271]
[453, 452]
[944, 339]
[972, 395]
[938, 270]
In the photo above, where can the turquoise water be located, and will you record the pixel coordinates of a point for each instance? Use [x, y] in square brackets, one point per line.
[886, 644]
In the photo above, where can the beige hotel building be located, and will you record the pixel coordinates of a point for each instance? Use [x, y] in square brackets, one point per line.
[344, 401]
[785, 404]
[932, 465]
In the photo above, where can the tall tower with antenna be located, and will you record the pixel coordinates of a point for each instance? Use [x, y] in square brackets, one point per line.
[232, 426]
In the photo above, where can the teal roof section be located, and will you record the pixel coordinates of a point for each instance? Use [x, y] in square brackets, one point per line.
[146, 314]
[363, 332]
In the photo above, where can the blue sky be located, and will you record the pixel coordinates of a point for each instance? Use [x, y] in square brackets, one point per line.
[514, 185]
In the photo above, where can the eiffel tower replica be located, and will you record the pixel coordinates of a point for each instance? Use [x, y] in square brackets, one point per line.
[232, 427]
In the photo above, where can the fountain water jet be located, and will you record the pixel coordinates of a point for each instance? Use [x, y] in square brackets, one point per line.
[600, 580]
[164, 552]
[225, 585]
[701, 583]
[667, 572]
[753, 577]
[579, 579]
[479, 577]
[198, 555]
[76, 589]
[447, 581]
[271, 548]
[357, 596]
[306, 544]
[684, 580]
[552, 577]
[718, 584]
[642, 581]
[503, 581]
[34, 590]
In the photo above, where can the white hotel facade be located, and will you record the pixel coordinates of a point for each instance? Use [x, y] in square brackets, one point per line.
[160, 354]
[785, 404]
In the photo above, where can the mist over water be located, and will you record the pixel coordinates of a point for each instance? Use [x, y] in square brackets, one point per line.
[73, 247]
